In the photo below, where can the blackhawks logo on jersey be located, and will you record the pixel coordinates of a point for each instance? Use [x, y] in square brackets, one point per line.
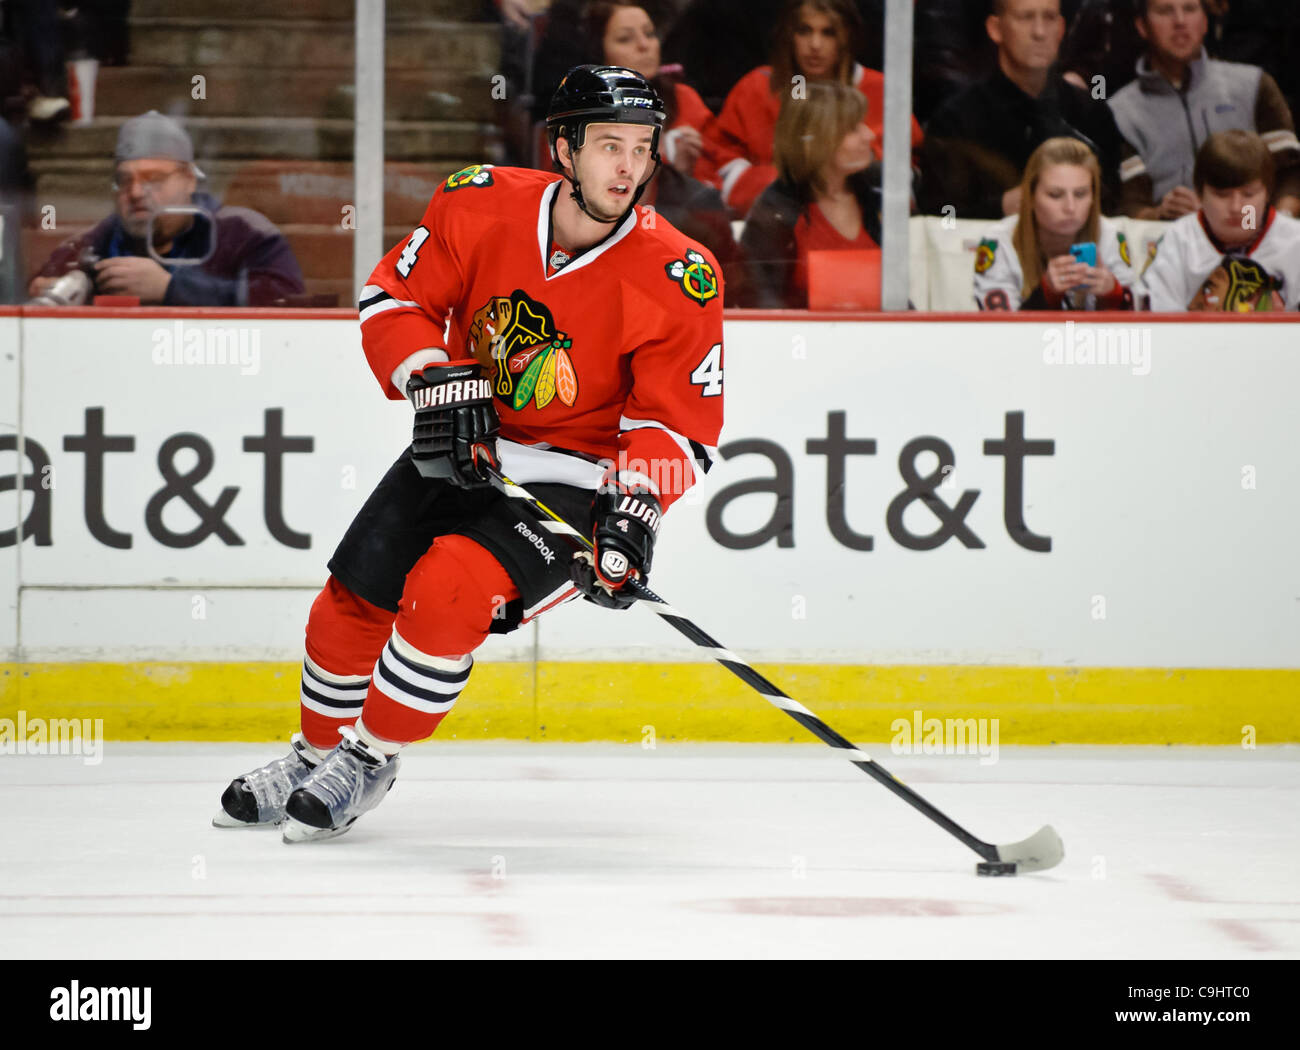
[1239, 285]
[985, 254]
[474, 175]
[516, 340]
[695, 277]
[1123, 250]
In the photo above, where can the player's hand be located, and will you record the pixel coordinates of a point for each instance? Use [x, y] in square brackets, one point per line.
[626, 522]
[1178, 202]
[132, 275]
[456, 423]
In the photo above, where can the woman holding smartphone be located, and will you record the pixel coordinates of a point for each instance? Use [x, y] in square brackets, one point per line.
[1058, 253]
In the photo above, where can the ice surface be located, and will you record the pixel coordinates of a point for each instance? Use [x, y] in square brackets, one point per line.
[574, 851]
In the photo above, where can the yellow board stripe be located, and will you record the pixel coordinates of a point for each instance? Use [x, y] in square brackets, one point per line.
[698, 702]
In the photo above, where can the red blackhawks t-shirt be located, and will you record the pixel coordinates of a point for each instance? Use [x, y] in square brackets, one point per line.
[612, 355]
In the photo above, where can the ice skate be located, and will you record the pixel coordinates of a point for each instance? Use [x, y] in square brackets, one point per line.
[353, 779]
[257, 799]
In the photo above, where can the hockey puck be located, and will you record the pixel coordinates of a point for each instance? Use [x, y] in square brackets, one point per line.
[995, 867]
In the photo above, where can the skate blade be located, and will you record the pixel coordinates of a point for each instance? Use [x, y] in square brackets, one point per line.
[295, 831]
[225, 820]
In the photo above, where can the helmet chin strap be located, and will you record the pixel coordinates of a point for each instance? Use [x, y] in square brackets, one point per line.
[576, 192]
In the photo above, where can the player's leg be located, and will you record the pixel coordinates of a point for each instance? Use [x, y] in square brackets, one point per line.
[451, 598]
[344, 632]
[350, 622]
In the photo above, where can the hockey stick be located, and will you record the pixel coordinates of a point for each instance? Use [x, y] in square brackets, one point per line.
[1040, 851]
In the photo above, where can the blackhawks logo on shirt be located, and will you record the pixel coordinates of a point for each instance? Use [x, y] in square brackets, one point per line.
[1123, 250]
[474, 175]
[695, 277]
[516, 340]
[985, 254]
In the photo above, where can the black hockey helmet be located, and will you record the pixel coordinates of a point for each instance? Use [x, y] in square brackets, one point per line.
[603, 95]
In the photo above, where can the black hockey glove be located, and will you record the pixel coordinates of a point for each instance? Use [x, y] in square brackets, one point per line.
[625, 524]
[456, 423]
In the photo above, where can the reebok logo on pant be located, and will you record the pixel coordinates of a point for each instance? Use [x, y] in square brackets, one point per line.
[536, 541]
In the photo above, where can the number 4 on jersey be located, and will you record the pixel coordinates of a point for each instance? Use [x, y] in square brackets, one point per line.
[708, 373]
[411, 252]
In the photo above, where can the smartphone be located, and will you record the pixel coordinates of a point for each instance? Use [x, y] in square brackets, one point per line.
[1085, 253]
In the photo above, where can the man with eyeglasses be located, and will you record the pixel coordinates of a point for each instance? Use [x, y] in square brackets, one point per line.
[225, 256]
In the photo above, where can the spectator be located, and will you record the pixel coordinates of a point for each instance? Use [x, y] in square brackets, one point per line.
[815, 42]
[15, 178]
[1236, 254]
[747, 27]
[35, 26]
[1027, 263]
[1261, 33]
[250, 264]
[826, 196]
[15, 183]
[621, 33]
[978, 143]
[1181, 97]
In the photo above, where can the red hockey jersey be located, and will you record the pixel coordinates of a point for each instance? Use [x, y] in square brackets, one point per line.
[739, 141]
[613, 359]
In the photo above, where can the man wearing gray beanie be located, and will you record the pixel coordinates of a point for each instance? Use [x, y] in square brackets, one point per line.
[236, 256]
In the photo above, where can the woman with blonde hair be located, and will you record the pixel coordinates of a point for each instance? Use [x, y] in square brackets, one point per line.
[1059, 252]
[827, 195]
[814, 43]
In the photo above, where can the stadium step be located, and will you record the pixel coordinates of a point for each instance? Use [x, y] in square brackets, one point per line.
[441, 94]
[318, 10]
[302, 138]
[303, 44]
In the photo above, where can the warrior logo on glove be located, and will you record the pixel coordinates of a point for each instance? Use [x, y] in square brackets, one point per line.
[461, 386]
[456, 423]
[625, 523]
[613, 565]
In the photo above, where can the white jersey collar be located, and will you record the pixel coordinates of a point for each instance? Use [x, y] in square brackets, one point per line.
[582, 258]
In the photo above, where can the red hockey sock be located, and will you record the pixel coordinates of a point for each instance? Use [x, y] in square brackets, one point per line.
[344, 632]
[446, 610]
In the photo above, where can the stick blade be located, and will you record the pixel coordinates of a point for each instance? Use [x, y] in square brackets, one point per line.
[1042, 850]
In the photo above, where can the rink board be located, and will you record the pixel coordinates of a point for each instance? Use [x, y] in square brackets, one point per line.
[193, 501]
[701, 702]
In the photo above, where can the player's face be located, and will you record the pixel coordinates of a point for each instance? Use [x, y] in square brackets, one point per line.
[145, 185]
[613, 161]
[1175, 29]
[854, 153]
[631, 41]
[1236, 216]
[1029, 32]
[1063, 199]
[816, 44]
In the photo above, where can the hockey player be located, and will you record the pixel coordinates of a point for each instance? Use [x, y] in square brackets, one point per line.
[1237, 254]
[583, 352]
